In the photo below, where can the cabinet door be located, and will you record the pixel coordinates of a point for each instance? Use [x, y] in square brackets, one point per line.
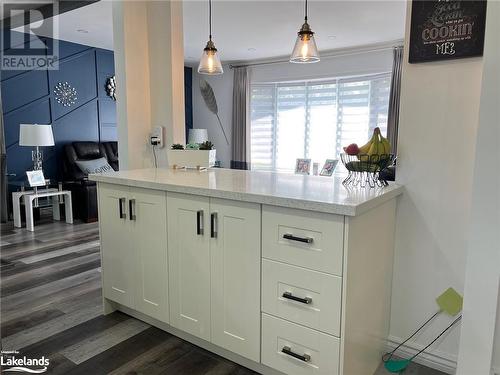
[147, 212]
[189, 263]
[117, 257]
[235, 264]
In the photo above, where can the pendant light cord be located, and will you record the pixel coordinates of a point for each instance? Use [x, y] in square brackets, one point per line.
[306, 12]
[210, 19]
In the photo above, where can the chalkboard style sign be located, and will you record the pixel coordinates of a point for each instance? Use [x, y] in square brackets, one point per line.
[446, 29]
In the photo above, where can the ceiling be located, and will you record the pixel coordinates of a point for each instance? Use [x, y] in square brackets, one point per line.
[250, 30]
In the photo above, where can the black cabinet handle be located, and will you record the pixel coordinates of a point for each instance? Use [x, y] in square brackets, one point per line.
[213, 225]
[306, 300]
[131, 209]
[303, 357]
[291, 237]
[121, 201]
[199, 222]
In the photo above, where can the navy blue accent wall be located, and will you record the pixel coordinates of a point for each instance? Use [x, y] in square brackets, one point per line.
[28, 98]
[188, 98]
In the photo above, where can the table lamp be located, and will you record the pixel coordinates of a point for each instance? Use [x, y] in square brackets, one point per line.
[37, 136]
[198, 136]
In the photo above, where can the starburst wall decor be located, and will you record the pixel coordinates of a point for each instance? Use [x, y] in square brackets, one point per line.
[65, 94]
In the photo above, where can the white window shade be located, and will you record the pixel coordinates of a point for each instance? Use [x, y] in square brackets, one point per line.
[314, 119]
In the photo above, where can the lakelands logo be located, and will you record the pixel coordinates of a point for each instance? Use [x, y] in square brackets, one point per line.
[31, 40]
[10, 363]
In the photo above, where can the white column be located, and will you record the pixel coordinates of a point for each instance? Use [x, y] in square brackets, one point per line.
[149, 65]
[483, 258]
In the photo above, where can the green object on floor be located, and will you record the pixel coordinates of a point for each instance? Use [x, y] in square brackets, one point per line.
[450, 302]
[396, 365]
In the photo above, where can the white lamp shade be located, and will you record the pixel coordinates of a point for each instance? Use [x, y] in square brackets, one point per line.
[198, 135]
[35, 135]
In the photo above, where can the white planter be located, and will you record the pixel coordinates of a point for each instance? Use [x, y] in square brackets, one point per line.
[191, 158]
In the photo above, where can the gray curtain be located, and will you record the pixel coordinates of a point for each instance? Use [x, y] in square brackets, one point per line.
[393, 115]
[239, 150]
[3, 169]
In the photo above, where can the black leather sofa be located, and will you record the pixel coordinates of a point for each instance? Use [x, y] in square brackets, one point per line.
[83, 191]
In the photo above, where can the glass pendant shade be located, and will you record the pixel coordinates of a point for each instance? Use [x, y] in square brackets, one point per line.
[210, 62]
[305, 49]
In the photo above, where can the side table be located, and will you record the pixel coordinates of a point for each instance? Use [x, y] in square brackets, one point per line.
[30, 196]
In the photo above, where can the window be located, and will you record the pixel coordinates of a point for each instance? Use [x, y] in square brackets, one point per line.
[314, 119]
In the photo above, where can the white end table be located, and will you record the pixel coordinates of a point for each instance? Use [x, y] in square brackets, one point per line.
[30, 196]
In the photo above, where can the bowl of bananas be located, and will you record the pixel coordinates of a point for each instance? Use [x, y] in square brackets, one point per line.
[364, 163]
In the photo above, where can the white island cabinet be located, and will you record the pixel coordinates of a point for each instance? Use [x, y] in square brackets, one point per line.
[281, 273]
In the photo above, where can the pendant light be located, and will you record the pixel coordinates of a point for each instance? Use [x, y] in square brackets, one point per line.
[210, 62]
[305, 50]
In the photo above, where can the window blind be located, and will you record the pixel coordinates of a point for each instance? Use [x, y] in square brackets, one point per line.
[314, 119]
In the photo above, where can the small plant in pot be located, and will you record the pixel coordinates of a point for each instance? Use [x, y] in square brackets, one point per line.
[193, 156]
[177, 146]
[207, 145]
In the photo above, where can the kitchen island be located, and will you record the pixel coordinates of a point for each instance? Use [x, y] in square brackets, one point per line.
[281, 273]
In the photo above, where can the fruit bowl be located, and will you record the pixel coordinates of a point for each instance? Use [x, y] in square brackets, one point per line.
[364, 169]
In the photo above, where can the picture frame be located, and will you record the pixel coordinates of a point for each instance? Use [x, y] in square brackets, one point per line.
[303, 166]
[35, 178]
[329, 167]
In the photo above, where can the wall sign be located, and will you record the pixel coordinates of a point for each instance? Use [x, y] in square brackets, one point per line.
[446, 29]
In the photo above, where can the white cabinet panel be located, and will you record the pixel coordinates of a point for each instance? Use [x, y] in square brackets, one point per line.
[297, 350]
[189, 263]
[235, 255]
[303, 296]
[148, 214]
[303, 238]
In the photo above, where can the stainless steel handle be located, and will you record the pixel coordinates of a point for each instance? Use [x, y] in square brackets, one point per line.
[199, 222]
[213, 225]
[122, 214]
[303, 357]
[131, 209]
[291, 237]
[305, 300]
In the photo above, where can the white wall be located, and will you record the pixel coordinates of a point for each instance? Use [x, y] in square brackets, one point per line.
[437, 138]
[149, 65]
[483, 259]
[204, 119]
[347, 63]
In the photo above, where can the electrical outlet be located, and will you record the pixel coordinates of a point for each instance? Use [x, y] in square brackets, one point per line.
[156, 138]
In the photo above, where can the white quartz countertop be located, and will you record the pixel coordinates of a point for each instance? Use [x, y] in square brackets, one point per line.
[315, 193]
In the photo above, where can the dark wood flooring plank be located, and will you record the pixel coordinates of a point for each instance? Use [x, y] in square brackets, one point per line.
[71, 336]
[28, 321]
[19, 267]
[116, 356]
[6, 291]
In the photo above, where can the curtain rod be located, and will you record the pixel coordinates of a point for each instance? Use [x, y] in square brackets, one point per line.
[347, 53]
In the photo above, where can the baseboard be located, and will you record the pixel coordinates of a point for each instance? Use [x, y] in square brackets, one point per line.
[436, 359]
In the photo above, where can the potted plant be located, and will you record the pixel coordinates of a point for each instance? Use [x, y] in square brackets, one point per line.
[192, 156]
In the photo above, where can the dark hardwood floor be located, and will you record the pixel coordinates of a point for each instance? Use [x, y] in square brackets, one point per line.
[51, 306]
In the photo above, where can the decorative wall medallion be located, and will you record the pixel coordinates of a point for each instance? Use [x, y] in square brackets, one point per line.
[65, 94]
[111, 87]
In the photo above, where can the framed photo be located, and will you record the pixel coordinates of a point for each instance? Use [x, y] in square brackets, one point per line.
[35, 178]
[303, 166]
[328, 167]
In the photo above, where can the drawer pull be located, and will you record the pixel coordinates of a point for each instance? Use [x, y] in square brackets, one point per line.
[213, 225]
[306, 300]
[131, 209]
[303, 357]
[291, 237]
[121, 202]
[199, 223]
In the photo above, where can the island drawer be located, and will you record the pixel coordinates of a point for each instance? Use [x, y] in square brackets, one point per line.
[304, 238]
[293, 349]
[303, 296]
